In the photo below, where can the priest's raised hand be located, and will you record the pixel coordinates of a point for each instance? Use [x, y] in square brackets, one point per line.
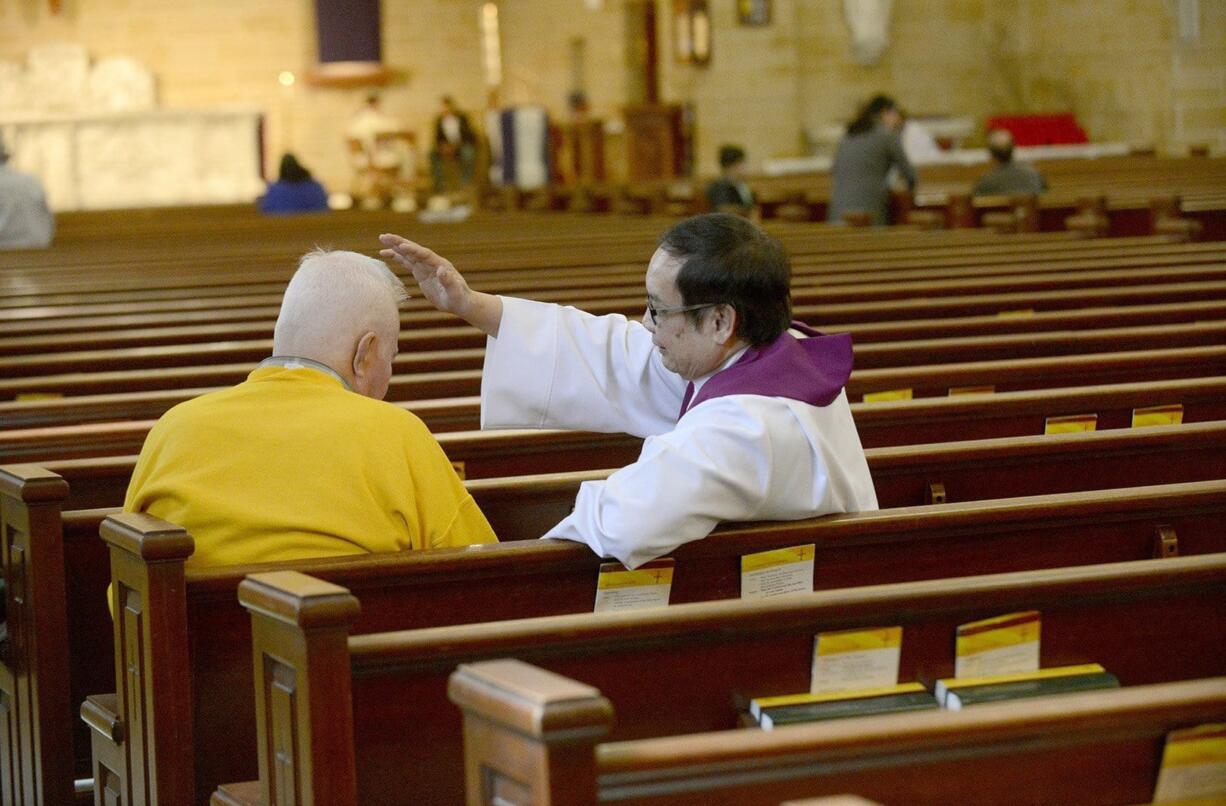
[443, 285]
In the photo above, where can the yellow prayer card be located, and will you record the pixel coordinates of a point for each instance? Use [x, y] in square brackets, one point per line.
[769, 559]
[1071, 424]
[616, 575]
[999, 645]
[779, 572]
[834, 643]
[1019, 313]
[848, 660]
[1157, 415]
[649, 585]
[887, 395]
[1193, 766]
[994, 633]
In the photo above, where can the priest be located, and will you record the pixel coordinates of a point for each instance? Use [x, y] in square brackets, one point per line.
[743, 410]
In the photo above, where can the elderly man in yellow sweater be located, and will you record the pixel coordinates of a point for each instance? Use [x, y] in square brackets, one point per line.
[304, 459]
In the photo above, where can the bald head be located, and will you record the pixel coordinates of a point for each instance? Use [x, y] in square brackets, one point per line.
[1000, 143]
[342, 309]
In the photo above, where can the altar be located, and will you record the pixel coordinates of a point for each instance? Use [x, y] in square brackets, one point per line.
[95, 135]
[148, 158]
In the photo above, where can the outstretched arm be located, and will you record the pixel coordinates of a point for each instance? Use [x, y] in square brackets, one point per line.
[443, 285]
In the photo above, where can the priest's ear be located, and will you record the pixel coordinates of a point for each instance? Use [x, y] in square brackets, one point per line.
[722, 322]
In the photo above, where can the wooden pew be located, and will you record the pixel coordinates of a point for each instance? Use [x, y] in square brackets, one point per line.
[862, 277]
[924, 380]
[120, 274]
[81, 560]
[101, 481]
[928, 419]
[531, 737]
[437, 588]
[144, 405]
[670, 671]
[817, 278]
[526, 508]
[885, 261]
[905, 352]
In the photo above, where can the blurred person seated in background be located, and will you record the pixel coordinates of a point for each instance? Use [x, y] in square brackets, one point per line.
[454, 139]
[26, 222]
[1007, 177]
[729, 193]
[295, 191]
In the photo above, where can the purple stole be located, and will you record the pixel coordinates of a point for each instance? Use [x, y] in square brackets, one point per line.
[812, 370]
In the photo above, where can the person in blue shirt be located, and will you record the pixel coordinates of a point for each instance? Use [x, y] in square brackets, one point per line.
[294, 191]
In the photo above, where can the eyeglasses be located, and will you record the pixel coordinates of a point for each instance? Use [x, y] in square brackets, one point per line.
[655, 313]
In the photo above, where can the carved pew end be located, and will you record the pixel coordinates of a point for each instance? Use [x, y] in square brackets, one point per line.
[529, 734]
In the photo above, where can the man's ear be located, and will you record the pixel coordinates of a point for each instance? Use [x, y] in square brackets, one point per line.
[723, 323]
[362, 357]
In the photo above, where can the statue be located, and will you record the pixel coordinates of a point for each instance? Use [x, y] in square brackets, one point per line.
[869, 21]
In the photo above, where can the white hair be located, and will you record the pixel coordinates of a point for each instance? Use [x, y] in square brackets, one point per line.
[333, 299]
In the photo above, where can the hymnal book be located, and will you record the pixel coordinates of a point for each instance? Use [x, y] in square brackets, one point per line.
[793, 709]
[957, 693]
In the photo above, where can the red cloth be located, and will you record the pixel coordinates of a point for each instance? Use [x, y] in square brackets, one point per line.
[1041, 130]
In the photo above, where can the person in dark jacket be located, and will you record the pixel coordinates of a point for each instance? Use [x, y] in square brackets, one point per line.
[295, 191]
[863, 160]
[454, 139]
[1008, 177]
[729, 193]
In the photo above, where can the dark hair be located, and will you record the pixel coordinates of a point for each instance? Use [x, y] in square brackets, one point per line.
[869, 114]
[730, 155]
[729, 260]
[1001, 147]
[292, 170]
[1002, 155]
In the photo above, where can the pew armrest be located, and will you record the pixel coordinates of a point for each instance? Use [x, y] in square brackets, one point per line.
[107, 750]
[101, 713]
[246, 793]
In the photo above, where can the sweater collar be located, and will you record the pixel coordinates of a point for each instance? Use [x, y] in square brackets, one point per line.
[298, 362]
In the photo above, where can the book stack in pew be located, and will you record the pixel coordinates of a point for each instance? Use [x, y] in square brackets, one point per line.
[950, 693]
[957, 693]
[791, 709]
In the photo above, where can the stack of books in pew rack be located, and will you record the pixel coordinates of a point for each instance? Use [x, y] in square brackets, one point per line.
[950, 693]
